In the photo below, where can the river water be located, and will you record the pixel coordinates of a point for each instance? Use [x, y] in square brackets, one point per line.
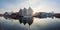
[37, 24]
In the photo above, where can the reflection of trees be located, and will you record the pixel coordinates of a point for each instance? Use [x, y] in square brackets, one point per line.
[22, 20]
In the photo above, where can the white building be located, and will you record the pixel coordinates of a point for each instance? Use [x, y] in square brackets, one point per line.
[29, 11]
[24, 12]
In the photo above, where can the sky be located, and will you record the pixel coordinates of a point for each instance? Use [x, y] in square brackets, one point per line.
[36, 5]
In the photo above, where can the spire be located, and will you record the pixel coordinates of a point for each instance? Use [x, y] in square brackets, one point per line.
[24, 9]
[20, 10]
[29, 8]
[29, 3]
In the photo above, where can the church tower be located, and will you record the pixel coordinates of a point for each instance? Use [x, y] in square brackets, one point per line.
[30, 11]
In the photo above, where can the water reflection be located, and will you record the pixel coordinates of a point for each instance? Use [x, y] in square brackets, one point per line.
[23, 20]
[39, 24]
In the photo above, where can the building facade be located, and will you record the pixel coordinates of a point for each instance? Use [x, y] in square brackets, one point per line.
[26, 12]
[29, 11]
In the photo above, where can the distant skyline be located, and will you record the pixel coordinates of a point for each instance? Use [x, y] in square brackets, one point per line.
[36, 5]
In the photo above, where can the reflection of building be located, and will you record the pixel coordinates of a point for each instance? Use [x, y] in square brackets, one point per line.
[24, 16]
[26, 20]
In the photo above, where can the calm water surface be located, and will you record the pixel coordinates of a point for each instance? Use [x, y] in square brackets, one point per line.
[38, 24]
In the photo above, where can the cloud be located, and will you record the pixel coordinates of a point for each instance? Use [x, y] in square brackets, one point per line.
[10, 5]
[47, 5]
[36, 5]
